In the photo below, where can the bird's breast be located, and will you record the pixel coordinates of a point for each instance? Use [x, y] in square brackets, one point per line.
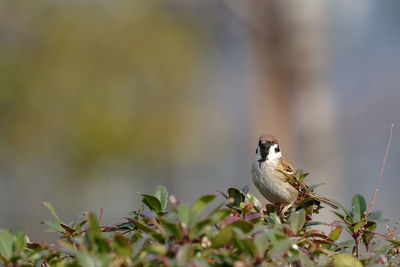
[272, 184]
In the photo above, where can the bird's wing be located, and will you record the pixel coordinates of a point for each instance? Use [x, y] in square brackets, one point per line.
[287, 170]
[285, 166]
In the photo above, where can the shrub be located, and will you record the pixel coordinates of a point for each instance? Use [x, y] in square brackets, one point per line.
[235, 232]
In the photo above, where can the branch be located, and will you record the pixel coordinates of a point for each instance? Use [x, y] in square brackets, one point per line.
[380, 173]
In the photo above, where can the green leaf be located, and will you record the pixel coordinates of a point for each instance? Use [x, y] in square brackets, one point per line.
[323, 260]
[261, 242]
[173, 228]
[94, 235]
[347, 244]
[35, 246]
[245, 226]
[197, 229]
[358, 226]
[162, 194]
[245, 245]
[85, 259]
[6, 244]
[297, 220]
[184, 255]
[141, 226]
[370, 226]
[312, 223]
[237, 196]
[223, 237]
[157, 249]
[94, 229]
[348, 215]
[312, 187]
[346, 260]
[102, 244]
[358, 207]
[171, 217]
[122, 246]
[382, 220]
[54, 226]
[20, 240]
[186, 215]
[202, 203]
[51, 209]
[279, 247]
[138, 246]
[291, 179]
[300, 175]
[306, 203]
[218, 208]
[274, 219]
[152, 202]
[335, 234]
[339, 215]
[253, 199]
[376, 215]
[68, 229]
[395, 242]
[147, 229]
[220, 215]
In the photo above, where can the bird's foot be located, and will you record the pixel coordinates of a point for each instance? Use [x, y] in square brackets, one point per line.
[285, 208]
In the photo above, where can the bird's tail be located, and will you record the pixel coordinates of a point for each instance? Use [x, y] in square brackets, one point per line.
[325, 200]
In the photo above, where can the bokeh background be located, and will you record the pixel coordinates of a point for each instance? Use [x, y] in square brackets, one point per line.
[100, 100]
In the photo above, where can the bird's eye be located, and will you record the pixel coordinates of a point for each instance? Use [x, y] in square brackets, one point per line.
[277, 149]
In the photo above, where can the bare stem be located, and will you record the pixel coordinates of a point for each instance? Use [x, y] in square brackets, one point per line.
[357, 247]
[380, 172]
[101, 218]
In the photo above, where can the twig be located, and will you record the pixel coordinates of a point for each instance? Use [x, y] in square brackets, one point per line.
[382, 235]
[380, 172]
[101, 218]
[356, 249]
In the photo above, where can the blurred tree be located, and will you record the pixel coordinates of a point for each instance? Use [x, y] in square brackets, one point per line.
[88, 83]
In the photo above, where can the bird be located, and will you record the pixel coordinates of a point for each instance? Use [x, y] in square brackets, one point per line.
[270, 171]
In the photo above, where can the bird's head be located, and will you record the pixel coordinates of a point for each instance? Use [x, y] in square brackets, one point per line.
[268, 148]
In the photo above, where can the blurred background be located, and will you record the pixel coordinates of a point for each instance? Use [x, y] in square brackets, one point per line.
[100, 100]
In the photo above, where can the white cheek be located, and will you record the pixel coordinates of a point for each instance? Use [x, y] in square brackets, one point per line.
[272, 155]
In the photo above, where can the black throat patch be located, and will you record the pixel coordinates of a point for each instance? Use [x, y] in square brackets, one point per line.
[264, 150]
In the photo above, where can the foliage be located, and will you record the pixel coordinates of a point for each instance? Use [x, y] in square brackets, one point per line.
[235, 232]
[94, 79]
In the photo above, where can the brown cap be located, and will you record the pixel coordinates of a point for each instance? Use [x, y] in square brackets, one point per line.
[268, 138]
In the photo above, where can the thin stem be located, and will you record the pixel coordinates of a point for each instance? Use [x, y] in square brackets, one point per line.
[357, 238]
[380, 172]
[101, 218]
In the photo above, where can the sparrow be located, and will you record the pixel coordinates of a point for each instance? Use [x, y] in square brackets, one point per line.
[268, 170]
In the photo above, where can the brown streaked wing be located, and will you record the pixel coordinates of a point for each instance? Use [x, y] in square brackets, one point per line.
[286, 167]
